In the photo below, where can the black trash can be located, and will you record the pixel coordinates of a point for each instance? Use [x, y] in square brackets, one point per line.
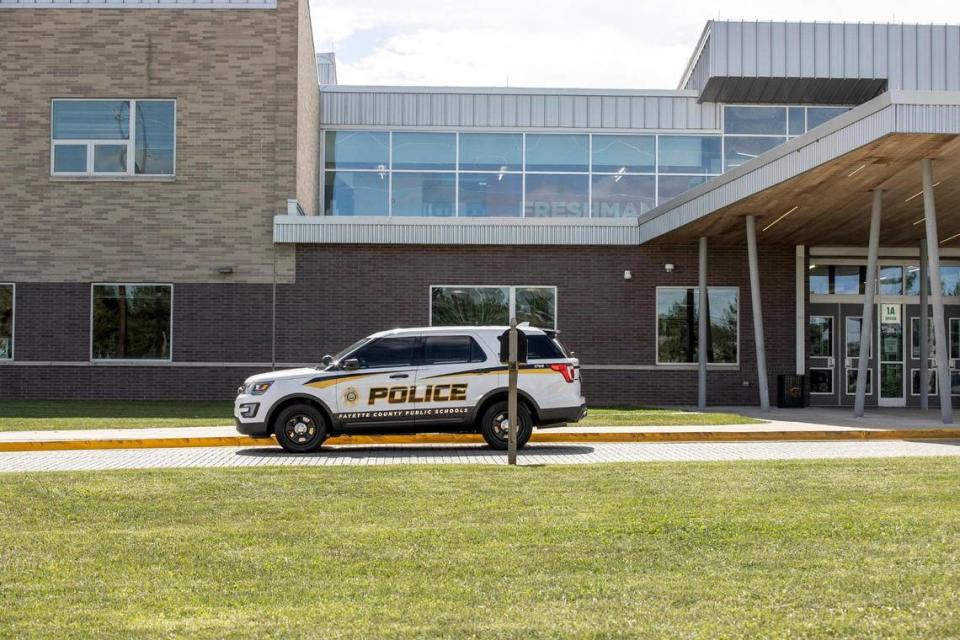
[791, 391]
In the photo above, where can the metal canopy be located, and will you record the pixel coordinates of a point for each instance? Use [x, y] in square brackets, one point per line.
[816, 188]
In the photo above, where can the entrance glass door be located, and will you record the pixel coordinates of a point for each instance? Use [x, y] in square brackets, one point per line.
[891, 343]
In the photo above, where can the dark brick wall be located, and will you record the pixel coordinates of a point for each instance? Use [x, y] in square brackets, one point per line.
[343, 293]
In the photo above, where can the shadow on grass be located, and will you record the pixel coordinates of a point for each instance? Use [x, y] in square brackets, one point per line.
[429, 451]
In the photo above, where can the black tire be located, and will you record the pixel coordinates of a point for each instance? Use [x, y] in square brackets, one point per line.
[300, 428]
[495, 434]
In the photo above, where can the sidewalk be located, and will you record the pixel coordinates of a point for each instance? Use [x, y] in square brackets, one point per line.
[781, 425]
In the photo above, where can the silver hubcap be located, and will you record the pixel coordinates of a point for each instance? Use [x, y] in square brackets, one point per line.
[501, 425]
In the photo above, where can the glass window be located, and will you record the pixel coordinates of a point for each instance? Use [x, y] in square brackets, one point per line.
[690, 154]
[816, 116]
[491, 194]
[557, 152]
[848, 280]
[819, 279]
[891, 280]
[131, 322]
[537, 305]
[90, 122]
[853, 325]
[672, 186]
[955, 337]
[451, 350]
[465, 306]
[6, 321]
[797, 123]
[91, 119]
[620, 196]
[432, 151]
[950, 280]
[915, 339]
[155, 137]
[821, 337]
[388, 352]
[542, 347]
[624, 154]
[355, 193]
[423, 194]
[755, 120]
[110, 158]
[557, 196]
[852, 381]
[821, 380]
[677, 325]
[931, 382]
[740, 149]
[491, 152]
[912, 283]
[357, 149]
[70, 158]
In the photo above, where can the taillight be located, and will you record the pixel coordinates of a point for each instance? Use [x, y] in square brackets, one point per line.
[566, 370]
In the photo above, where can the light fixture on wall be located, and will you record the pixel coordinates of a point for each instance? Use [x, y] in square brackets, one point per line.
[627, 275]
[668, 267]
[224, 271]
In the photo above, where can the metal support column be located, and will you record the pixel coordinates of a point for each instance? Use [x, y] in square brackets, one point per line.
[757, 314]
[941, 346]
[702, 330]
[924, 328]
[866, 323]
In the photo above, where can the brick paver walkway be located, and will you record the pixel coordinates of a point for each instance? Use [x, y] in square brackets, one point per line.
[468, 454]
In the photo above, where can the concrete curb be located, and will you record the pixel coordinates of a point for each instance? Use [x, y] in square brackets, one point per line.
[468, 438]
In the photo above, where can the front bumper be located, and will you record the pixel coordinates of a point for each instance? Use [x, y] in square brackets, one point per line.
[251, 428]
[561, 416]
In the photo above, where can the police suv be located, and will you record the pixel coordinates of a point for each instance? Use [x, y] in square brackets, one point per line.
[436, 379]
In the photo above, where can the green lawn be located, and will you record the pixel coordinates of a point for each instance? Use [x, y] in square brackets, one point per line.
[45, 415]
[858, 549]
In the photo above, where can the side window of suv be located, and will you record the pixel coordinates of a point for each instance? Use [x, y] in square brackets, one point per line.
[542, 347]
[451, 350]
[388, 352]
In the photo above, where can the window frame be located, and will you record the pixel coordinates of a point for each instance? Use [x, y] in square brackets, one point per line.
[656, 330]
[417, 356]
[13, 325]
[511, 298]
[130, 143]
[474, 343]
[832, 382]
[109, 361]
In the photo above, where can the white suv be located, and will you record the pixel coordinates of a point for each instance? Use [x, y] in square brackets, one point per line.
[437, 379]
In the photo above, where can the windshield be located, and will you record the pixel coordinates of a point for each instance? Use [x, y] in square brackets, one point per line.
[343, 354]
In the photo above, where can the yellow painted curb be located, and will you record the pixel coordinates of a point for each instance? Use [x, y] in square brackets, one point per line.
[471, 438]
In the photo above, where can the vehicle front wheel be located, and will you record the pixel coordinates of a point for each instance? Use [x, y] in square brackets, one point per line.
[300, 428]
[494, 425]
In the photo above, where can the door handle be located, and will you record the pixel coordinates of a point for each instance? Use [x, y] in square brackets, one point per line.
[399, 375]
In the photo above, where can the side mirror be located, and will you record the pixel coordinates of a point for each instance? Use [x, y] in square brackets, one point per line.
[350, 364]
[327, 360]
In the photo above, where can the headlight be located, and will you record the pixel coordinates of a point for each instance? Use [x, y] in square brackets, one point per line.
[260, 388]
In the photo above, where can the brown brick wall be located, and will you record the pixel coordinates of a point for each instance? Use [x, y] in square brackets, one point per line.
[308, 115]
[235, 77]
[343, 293]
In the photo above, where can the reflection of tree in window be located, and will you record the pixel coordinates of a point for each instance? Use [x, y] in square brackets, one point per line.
[131, 322]
[465, 306]
[536, 306]
[678, 325]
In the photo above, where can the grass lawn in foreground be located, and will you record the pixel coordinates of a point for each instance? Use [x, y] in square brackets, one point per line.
[866, 548]
[45, 415]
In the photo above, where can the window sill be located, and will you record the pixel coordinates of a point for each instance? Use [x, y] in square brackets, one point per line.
[113, 178]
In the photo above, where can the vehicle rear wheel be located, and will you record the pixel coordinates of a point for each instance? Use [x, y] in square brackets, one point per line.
[300, 428]
[494, 425]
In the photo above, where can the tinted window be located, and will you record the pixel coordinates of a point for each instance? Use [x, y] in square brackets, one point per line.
[557, 152]
[451, 350]
[91, 119]
[388, 352]
[491, 194]
[540, 346]
[490, 151]
[424, 150]
[357, 149]
[423, 194]
[557, 196]
[624, 154]
[690, 154]
[131, 322]
[755, 120]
